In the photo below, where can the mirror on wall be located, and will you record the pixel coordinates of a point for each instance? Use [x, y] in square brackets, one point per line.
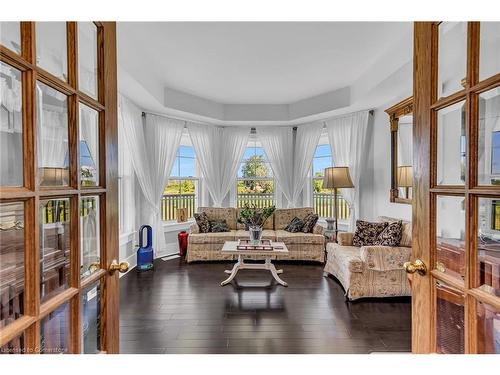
[401, 127]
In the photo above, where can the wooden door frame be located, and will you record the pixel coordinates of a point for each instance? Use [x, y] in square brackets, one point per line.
[31, 193]
[110, 305]
[423, 95]
[426, 189]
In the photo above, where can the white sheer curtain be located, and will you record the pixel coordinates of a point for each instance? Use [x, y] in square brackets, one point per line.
[278, 144]
[153, 148]
[52, 133]
[89, 237]
[218, 153]
[347, 136]
[306, 141]
[405, 144]
[89, 129]
[290, 156]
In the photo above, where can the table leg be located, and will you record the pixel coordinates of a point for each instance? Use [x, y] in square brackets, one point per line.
[232, 272]
[275, 272]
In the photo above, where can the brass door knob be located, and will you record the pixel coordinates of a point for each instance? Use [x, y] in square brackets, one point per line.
[120, 267]
[417, 266]
[94, 267]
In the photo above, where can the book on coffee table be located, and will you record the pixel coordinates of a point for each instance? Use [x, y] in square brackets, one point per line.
[249, 245]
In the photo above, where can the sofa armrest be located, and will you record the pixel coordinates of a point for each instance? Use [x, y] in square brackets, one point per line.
[385, 258]
[194, 228]
[318, 229]
[345, 238]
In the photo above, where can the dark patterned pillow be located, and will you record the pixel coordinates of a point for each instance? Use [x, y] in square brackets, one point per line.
[202, 221]
[217, 226]
[309, 222]
[367, 233]
[295, 225]
[391, 235]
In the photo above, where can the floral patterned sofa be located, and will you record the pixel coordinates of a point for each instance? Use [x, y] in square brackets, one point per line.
[370, 271]
[301, 246]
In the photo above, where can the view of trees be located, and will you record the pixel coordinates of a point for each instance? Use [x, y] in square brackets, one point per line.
[318, 183]
[180, 187]
[255, 166]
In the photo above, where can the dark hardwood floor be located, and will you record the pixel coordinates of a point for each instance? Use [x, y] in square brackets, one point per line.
[180, 308]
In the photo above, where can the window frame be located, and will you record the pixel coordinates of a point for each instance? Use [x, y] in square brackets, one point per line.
[185, 142]
[254, 144]
[322, 142]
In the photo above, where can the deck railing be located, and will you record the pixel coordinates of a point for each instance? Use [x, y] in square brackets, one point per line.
[57, 210]
[171, 202]
[322, 203]
[259, 200]
[323, 206]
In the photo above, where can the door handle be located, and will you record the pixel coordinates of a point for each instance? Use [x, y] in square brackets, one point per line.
[417, 266]
[94, 267]
[120, 267]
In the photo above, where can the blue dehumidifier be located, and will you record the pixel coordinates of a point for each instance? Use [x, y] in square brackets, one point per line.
[145, 252]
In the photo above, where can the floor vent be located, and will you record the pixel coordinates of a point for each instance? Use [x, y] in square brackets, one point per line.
[170, 257]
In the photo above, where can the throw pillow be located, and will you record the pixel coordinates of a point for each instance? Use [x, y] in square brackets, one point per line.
[367, 233]
[309, 222]
[217, 226]
[295, 225]
[391, 235]
[202, 221]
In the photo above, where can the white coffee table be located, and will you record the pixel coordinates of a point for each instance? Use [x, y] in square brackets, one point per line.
[229, 248]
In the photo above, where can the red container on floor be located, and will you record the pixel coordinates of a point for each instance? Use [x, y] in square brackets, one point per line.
[183, 242]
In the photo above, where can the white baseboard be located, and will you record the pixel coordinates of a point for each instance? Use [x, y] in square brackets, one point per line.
[132, 261]
[170, 249]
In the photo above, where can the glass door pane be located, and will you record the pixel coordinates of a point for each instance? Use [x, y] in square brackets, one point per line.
[452, 57]
[90, 235]
[451, 145]
[87, 58]
[489, 56]
[89, 146]
[91, 319]
[52, 136]
[449, 320]
[54, 247]
[450, 236]
[11, 126]
[488, 243]
[14, 346]
[10, 35]
[51, 47]
[11, 262]
[489, 138]
[54, 331]
[488, 329]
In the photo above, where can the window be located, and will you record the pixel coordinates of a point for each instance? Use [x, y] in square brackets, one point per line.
[182, 187]
[255, 185]
[323, 198]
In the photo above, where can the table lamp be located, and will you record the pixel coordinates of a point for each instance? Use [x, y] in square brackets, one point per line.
[405, 178]
[335, 178]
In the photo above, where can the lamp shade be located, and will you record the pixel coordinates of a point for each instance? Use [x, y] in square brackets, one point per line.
[405, 176]
[337, 177]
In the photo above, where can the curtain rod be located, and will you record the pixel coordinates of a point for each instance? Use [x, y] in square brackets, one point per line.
[253, 128]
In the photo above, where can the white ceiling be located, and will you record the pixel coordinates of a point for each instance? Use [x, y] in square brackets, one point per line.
[255, 62]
